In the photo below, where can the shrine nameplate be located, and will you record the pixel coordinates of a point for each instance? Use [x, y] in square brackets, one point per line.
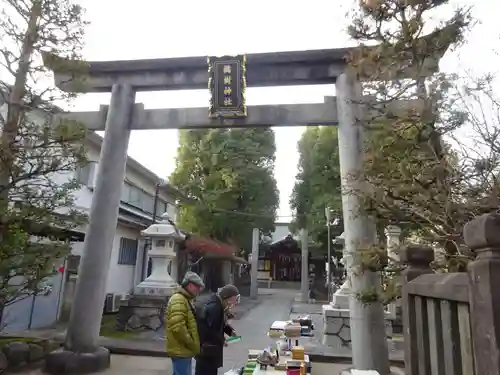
[227, 84]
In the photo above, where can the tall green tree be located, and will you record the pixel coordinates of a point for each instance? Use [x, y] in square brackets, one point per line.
[229, 175]
[37, 156]
[317, 184]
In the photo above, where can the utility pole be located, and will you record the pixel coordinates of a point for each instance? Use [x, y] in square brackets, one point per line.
[255, 264]
[368, 335]
[304, 280]
[328, 225]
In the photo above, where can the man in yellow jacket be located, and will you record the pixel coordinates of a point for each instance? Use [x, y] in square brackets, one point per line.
[183, 342]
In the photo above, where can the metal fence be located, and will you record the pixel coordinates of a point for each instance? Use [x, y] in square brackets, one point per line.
[35, 311]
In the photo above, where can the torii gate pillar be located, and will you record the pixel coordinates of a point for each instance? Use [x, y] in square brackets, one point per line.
[368, 336]
[81, 352]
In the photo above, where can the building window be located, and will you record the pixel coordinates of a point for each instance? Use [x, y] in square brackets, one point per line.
[83, 174]
[148, 203]
[138, 198]
[135, 197]
[125, 192]
[128, 251]
[161, 207]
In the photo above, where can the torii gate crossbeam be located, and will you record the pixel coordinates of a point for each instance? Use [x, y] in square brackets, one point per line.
[258, 115]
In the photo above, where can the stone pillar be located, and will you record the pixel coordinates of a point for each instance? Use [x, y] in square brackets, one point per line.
[482, 235]
[255, 263]
[340, 299]
[393, 233]
[439, 254]
[304, 272]
[82, 349]
[368, 330]
[226, 272]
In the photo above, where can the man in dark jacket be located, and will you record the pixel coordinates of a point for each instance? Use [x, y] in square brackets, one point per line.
[212, 325]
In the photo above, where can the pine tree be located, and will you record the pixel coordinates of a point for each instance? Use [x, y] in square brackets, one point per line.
[37, 155]
[416, 176]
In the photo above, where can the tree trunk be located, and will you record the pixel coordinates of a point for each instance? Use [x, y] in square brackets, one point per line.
[15, 106]
[2, 309]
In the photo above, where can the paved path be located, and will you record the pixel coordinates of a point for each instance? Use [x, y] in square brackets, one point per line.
[275, 305]
[137, 365]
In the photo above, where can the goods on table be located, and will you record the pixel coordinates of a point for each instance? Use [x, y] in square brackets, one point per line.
[266, 358]
[303, 369]
[250, 367]
[306, 324]
[277, 329]
[304, 321]
[292, 330]
[280, 367]
[293, 367]
[233, 339]
[298, 353]
[281, 357]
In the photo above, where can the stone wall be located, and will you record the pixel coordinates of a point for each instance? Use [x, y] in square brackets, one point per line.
[18, 355]
[337, 327]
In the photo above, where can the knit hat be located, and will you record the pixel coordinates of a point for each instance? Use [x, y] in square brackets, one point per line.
[228, 291]
[192, 278]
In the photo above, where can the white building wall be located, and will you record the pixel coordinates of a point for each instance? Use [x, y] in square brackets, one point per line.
[172, 212]
[120, 276]
[84, 195]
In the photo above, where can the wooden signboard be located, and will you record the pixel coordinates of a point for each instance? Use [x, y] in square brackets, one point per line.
[227, 84]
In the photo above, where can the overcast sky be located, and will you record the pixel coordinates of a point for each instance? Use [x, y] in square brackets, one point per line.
[158, 29]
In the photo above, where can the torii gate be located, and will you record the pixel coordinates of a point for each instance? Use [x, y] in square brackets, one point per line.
[123, 79]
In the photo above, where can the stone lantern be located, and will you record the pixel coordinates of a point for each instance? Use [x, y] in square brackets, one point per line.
[145, 307]
[340, 298]
[164, 237]
[336, 315]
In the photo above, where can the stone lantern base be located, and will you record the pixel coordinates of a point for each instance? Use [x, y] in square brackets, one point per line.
[337, 321]
[145, 308]
[142, 312]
